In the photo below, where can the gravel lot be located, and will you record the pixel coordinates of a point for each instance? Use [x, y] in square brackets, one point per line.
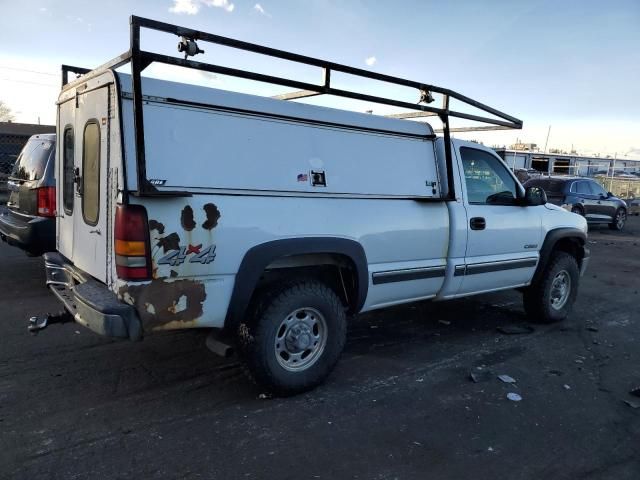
[400, 405]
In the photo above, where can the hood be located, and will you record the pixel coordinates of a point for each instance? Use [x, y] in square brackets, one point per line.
[558, 217]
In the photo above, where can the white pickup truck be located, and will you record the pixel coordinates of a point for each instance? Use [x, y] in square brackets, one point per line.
[270, 220]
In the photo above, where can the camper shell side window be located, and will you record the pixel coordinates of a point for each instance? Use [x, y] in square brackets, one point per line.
[91, 172]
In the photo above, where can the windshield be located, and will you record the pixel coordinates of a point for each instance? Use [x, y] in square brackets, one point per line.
[32, 160]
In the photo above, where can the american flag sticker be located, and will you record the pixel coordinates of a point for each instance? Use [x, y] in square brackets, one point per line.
[303, 177]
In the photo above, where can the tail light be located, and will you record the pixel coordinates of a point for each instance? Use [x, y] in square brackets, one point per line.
[131, 236]
[46, 201]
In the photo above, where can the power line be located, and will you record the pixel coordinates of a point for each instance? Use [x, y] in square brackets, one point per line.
[30, 71]
[27, 81]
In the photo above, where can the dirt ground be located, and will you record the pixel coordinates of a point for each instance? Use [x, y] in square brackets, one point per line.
[400, 405]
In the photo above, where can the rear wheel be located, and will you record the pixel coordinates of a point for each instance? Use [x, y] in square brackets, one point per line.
[552, 297]
[294, 336]
[619, 220]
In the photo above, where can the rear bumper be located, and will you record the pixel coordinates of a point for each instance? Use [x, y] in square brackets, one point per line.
[35, 235]
[90, 302]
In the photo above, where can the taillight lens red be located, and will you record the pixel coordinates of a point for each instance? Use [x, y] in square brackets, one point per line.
[131, 243]
[47, 201]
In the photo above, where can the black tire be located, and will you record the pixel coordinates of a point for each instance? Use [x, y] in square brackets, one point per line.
[541, 299]
[619, 219]
[578, 210]
[264, 346]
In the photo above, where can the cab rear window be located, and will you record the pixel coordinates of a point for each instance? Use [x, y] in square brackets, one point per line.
[32, 160]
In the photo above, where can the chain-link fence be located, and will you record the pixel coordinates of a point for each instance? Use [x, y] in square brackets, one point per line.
[10, 146]
[621, 187]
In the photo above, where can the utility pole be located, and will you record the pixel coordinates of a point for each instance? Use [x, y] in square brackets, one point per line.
[547, 140]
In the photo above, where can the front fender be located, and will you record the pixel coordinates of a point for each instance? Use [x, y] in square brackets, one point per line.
[569, 235]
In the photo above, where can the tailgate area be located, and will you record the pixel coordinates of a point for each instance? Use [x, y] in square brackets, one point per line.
[90, 302]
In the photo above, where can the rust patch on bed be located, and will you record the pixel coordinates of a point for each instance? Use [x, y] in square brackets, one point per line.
[170, 242]
[186, 219]
[213, 215]
[155, 225]
[162, 302]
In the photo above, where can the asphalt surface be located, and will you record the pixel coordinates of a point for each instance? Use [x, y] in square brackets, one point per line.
[400, 405]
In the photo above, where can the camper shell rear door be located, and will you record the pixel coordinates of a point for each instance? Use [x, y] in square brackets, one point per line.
[84, 130]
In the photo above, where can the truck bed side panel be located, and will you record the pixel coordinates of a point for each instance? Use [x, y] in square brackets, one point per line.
[199, 242]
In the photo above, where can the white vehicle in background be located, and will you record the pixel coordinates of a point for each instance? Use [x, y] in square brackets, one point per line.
[270, 221]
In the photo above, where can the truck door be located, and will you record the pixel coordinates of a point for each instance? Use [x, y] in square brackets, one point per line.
[503, 238]
[585, 197]
[90, 171]
[604, 207]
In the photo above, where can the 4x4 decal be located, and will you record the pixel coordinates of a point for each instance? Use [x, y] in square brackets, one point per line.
[199, 255]
[173, 253]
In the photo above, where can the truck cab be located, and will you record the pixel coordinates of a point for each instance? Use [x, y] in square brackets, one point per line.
[270, 222]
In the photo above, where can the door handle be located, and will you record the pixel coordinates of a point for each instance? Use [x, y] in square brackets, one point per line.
[477, 223]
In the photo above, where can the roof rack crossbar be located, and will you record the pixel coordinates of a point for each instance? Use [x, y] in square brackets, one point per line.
[325, 64]
[140, 59]
[485, 128]
[296, 94]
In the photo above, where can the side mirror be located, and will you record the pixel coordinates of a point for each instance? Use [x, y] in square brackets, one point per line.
[609, 195]
[534, 196]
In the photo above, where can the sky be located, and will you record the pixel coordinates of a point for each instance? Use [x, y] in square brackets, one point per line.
[570, 65]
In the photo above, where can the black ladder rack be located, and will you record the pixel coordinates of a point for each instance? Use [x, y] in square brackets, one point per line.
[141, 59]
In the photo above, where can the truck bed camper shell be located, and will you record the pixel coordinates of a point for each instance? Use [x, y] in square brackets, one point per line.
[148, 94]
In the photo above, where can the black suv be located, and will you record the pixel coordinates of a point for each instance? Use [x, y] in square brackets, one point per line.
[584, 197]
[29, 222]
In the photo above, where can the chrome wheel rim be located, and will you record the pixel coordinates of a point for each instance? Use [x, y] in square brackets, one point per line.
[300, 339]
[560, 289]
[620, 219]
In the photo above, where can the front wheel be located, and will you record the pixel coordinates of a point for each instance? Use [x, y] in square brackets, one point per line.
[294, 337]
[619, 220]
[551, 298]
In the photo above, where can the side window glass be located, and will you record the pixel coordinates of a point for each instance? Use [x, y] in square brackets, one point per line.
[488, 180]
[596, 189]
[583, 188]
[91, 173]
[67, 170]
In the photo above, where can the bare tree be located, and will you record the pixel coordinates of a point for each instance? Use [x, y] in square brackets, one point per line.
[5, 112]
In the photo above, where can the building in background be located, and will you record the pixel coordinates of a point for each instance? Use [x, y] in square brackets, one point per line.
[567, 163]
